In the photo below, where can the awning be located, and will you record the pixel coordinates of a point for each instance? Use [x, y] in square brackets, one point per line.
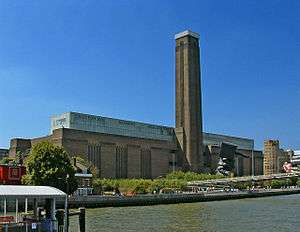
[23, 191]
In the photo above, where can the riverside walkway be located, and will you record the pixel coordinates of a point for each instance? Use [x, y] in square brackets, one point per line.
[156, 199]
[227, 181]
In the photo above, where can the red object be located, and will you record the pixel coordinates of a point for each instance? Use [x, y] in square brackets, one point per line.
[10, 174]
[7, 219]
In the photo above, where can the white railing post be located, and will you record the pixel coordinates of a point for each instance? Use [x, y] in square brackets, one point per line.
[26, 205]
[17, 210]
[4, 207]
[66, 221]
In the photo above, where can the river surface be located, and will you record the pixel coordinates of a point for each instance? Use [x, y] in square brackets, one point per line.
[274, 214]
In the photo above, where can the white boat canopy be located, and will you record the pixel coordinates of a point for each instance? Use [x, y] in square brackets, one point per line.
[19, 192]
[23, 191]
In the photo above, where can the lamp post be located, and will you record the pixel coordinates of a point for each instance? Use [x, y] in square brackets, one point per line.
[252, 163]
[67, 205]
[67, 180]
[252, 166]
[173, 162]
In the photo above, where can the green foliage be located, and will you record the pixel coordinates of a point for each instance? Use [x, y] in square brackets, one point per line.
[178, 181]
[275, 184]
[169, 183]
[48, 164]
[137, 185]
[192, 176]
[7, 160]
[281, 183]
[175, 180]
[81, 159]
[242, 185]
[298, 182]
[278, 183]
[124, 185]
[266, 183]
[293, 181]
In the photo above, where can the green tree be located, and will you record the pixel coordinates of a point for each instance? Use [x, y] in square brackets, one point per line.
[50, 165]
[7, 160]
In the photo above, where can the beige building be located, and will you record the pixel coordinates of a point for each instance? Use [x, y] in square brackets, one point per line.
[127, 149]
[274, 157]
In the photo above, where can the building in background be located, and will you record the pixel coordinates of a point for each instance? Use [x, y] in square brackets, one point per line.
[274, 157]
[243, 166]
[3, 153]
[295, 159]
[128, 149]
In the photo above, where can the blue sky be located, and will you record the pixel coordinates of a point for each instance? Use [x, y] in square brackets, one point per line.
[116, 59]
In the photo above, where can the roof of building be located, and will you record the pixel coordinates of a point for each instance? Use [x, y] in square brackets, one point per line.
[21, 191]
[3, 151]
[185, 33]
[100, 124]
[218, 139]
[297, 153]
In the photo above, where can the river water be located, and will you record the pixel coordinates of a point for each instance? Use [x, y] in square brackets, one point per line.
[274, 214]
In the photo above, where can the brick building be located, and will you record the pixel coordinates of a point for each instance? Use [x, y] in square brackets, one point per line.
[128, 149]
[274, 157]
[3, 153]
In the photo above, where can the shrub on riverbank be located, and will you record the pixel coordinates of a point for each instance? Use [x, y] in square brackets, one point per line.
[242, 185]
[141, 186]
[178, 181]
[275, 184]
[192, 176]
[175, 180]
[298, 182]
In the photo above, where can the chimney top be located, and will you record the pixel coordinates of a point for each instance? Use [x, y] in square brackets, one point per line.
[186, 33]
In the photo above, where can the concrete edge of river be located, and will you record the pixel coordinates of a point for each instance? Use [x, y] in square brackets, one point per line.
[156, 199]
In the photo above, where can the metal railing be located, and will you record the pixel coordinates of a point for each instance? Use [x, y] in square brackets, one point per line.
[244, 179]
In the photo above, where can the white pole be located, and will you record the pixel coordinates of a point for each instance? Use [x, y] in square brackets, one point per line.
[26, 211]
[5, 210]
[252, 165]
[237, 166]
[26, 205]
[4, 207]
[66, 215]
[17, 209]
[53, 208]
[173, 161]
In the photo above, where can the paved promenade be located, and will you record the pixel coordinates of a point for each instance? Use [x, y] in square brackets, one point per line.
[155, 199]
[226, 181]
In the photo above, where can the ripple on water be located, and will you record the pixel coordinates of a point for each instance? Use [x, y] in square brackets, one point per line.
[278, 214]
